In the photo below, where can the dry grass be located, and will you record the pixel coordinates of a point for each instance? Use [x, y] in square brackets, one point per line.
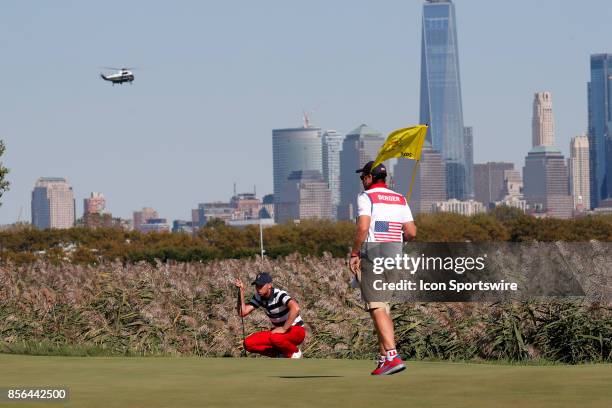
[189, 309]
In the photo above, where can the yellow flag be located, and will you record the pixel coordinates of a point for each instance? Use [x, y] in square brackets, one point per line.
[405, 143]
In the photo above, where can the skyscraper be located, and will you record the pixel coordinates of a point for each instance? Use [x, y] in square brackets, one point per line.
[216, 210]
[95, 204]
[246, 205]
[600, 128]
[513, 184]
[579, 173]
[489, 181]
[468, 134]
[332, 146]
[441, 105]
[294, 149]
[305, 195]
[143, 216]
[542, 121]
[53, 204]
[430, 180]
[546, 186]
[359, 147]
[513, 191]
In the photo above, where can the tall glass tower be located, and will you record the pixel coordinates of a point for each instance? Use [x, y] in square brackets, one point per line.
[294, 149]
[332, 146]
[600, 128]
[53, 204]
[358, 147]
[441, 94]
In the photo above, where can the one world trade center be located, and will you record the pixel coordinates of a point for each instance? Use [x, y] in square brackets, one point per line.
[440, 106]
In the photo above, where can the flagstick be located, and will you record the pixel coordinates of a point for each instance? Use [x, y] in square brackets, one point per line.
[414, 170]
[243, 351]
[416, 165]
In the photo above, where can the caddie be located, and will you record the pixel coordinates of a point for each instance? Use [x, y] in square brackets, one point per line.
[383, 216]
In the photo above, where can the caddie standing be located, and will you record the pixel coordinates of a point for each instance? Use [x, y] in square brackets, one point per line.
[383, 216]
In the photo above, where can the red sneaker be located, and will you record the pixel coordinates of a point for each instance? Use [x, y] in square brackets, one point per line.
[378, 368]
[391, 367]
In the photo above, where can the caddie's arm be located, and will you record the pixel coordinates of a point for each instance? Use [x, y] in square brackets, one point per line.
[361, 233]
[242, 308]
[410, 231]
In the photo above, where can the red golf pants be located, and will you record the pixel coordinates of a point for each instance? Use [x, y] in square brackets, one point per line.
[272, 344]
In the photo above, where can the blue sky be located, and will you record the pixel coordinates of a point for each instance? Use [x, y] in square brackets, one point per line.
[215, 78]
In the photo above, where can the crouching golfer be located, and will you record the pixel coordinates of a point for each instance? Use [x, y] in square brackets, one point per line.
[384, 216]
[284, 313]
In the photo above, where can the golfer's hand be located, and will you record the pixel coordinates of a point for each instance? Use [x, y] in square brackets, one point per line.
[355, 264]
[239, 283]
[280, 330]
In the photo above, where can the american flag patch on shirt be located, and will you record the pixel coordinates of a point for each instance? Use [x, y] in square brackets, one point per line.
[388, 231]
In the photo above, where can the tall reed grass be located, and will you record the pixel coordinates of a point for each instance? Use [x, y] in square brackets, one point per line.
[189, 309]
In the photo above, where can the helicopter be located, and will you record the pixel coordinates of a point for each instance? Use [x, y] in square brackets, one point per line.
[122, 75]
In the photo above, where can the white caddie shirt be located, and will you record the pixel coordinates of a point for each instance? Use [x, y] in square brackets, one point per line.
[388, 211]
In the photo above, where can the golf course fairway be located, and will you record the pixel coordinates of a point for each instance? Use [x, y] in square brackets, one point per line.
[153, 382]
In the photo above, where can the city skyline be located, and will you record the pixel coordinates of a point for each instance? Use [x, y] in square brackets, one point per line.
[113, 139]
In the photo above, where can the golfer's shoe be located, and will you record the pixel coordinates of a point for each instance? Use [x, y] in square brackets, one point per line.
[390, 367]
[297, 354]
[378, 368]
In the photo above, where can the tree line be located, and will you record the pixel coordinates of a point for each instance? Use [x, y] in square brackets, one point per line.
[309, 237]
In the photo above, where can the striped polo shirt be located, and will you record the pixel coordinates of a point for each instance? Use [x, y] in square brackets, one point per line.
[276, 307]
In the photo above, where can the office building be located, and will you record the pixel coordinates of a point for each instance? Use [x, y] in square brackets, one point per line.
[143, 216]
[95, 204]
[215, 210]
[542, 121]
[295, 149]
[267, 206]
[53, 204]
[246, 206]
[154, 225]
[513, 184]
[489, 181]
[360, 146]
[440, 100]
[600, 125]
[513, 202]
[305, 195]
[578, 165]
[332, 146]
[512, 194]
[187, 227]
[546, 184]
[195, 217]
[605, 207]
[430, 180]
[241, 207]
[468, 207]
[468, 134]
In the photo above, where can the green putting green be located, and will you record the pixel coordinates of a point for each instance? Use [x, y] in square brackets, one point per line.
[227, 382]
